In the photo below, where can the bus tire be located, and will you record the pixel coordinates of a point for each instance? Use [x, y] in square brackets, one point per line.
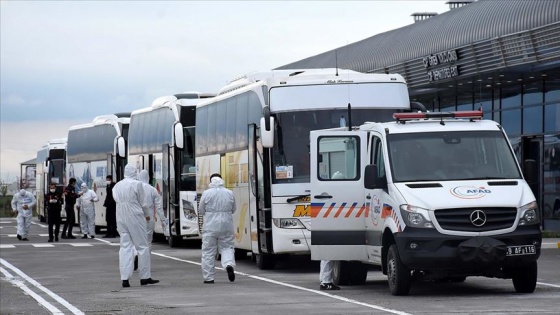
[397, 273]
[341, 272]
[265, 261]
[174, 241]
[525, 278]
[359, 272]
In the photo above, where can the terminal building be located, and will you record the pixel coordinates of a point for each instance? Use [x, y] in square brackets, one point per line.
[502, 57]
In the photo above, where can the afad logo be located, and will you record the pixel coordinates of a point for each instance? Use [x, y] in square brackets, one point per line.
[470, 192]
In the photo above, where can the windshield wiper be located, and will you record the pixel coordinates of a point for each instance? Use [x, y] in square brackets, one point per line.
[290, 200]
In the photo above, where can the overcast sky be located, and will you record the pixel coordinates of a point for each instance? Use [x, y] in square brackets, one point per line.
[64, 62]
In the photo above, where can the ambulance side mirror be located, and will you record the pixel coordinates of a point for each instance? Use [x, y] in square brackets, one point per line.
[371, 180]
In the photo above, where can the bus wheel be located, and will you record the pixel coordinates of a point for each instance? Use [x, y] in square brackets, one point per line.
[265, 261]
[174, 241]
[525, 278]
[359, 273]
[397, 273]
[341, 272]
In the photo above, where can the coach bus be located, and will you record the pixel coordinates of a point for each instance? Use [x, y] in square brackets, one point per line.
[50, 168]
[255, 132]
[95, 150]
[161, 141]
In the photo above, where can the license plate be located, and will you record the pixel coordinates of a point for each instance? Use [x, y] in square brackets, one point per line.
[521, 250]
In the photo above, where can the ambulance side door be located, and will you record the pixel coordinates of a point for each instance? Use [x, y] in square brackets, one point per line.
[374, 200]
[337, 208]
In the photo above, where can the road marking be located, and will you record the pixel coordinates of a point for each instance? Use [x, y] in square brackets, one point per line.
[549, 285]
[42, 245]
[26, 289]
[295, 287]
[6, 246]
[53, 295]
[80, 244]
[39, 224]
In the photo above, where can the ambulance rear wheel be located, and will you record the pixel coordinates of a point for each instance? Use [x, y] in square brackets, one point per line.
[342, 272]
[525, 278]
[397, 273]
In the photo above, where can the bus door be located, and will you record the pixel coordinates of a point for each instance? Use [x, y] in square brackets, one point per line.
[110, 165]
[256, 186]
[263, 219]
[170, 196]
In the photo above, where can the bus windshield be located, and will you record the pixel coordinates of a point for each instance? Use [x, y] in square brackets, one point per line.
[457, 155]
[291, 145]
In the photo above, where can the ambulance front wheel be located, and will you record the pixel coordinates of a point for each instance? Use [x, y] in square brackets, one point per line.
[525, 278]
[397, 273]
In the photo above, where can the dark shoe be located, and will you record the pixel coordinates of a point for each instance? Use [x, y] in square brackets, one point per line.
[208, 281]
[148, 281]
[230, 273]
[125, 284]
[329, 286]
[63, 236]
[19, 237]
[50, 240]
[72, 237]
[24, 239]
[92, 236]
[136, 262]
[85, 236]
[56, 238]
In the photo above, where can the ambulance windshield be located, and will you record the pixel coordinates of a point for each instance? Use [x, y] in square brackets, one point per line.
[457, 155]
[291, 145]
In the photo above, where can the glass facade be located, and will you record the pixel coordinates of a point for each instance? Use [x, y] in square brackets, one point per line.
[527, 105]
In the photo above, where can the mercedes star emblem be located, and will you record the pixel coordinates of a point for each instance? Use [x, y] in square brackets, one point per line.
[478, 218]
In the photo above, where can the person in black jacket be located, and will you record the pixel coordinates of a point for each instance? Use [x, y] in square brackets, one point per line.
[53, 204]
[70, 197]
[111, 209]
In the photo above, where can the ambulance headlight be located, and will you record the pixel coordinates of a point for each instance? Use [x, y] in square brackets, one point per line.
[416, 217]
[529, 214]
[289, 223]
[189, 212]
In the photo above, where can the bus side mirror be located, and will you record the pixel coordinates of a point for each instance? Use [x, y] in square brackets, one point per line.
[267, 136]
[121, 147]
[371, 180]
[530, 171]
[178, 136]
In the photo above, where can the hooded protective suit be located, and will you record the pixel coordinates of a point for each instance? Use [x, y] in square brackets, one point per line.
[132, 212]
[217, 205]
[153, 200]
[23, 203]
[86, 205]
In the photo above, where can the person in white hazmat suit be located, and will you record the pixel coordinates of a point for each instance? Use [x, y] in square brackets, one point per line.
[23, 203]
[217, 205]
[86, 206]
[132, 215]
[153, 199]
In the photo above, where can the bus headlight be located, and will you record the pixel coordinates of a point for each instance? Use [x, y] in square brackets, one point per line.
[416, 217]
[290, 223]
[529, 214]
[189, 212]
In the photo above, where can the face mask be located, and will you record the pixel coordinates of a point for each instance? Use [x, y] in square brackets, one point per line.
[108, 182]
[84, 189]
[53, 190]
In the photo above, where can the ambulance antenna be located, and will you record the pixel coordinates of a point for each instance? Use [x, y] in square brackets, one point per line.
[349, 117]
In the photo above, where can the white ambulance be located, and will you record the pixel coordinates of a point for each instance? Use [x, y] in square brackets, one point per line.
[430, 196]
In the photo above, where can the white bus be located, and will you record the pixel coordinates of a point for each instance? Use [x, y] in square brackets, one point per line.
[256, 134]
[95, 150]
[161, 141]
[50, 168]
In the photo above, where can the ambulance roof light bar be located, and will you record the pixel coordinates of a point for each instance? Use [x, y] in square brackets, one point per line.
[472, 114]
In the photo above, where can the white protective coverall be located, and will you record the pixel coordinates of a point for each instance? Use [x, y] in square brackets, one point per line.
[132, 212]
[23, 203]
[153, 200]
[86, 205]
[217, 205]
